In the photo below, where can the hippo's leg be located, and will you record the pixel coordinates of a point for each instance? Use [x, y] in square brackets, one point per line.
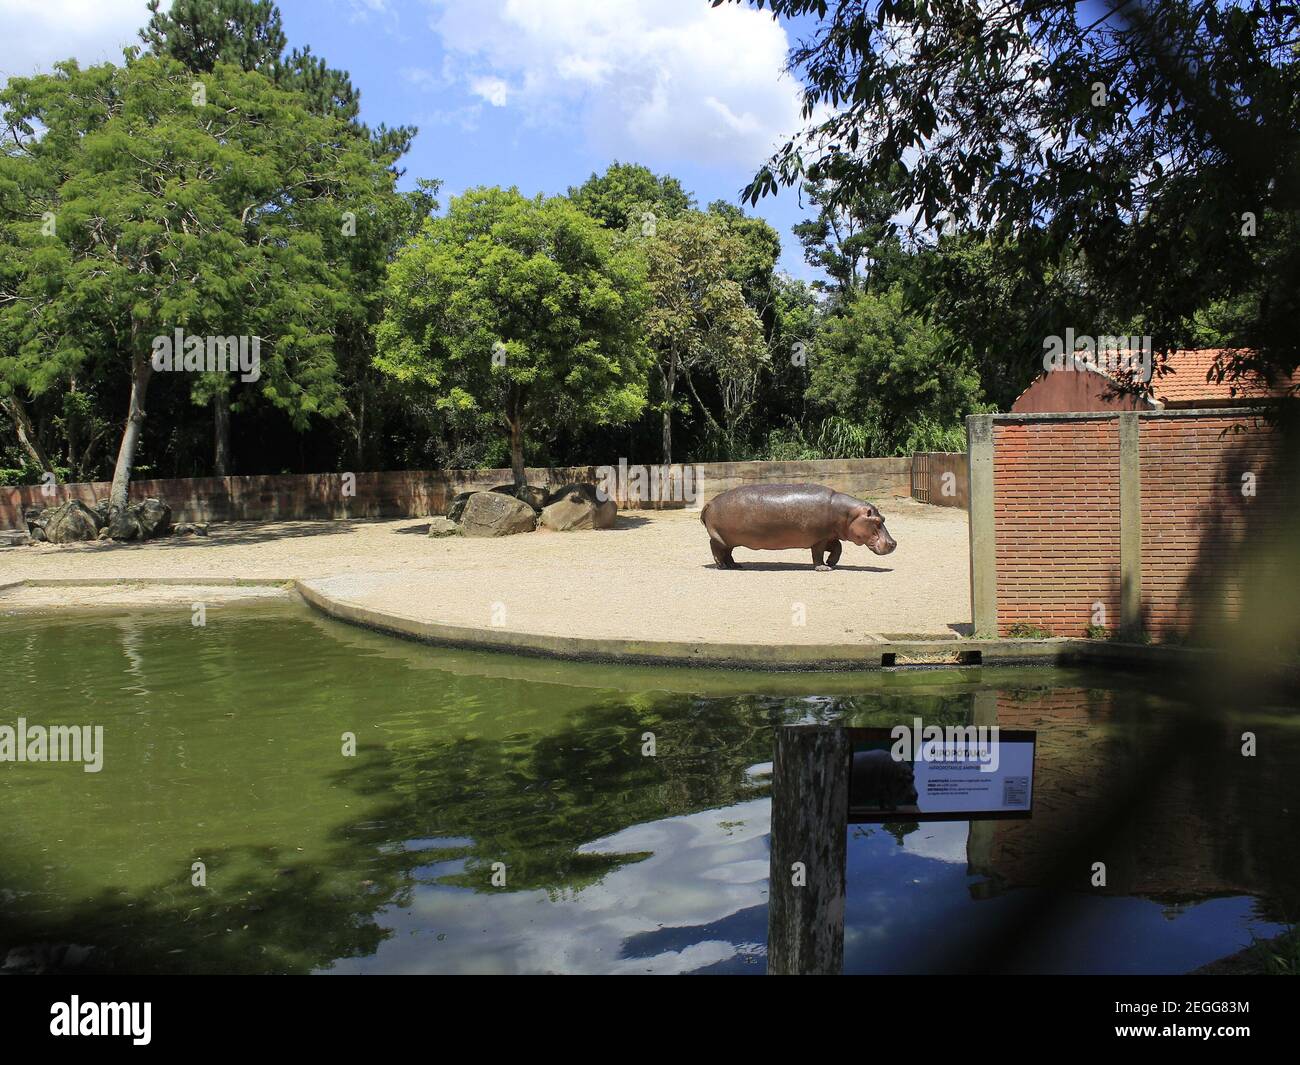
[722, 556]
[819, 549]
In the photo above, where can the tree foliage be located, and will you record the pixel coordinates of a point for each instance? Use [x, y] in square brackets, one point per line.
[526, 310]
[1146, 135]
[134, 211]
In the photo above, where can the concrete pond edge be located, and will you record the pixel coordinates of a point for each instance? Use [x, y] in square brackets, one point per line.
[876, 654]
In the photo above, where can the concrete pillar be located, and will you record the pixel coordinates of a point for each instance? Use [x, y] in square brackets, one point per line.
[983, 539]
[1130, 525]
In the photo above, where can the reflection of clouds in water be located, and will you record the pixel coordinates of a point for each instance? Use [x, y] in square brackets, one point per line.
[944, 841]
[702, 868]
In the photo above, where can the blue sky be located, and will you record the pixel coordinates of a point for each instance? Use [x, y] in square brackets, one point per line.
[533, 93]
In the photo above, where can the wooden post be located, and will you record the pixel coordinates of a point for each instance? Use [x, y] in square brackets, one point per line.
[810, 812]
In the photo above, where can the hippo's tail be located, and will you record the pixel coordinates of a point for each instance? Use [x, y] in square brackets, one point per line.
[703, 511]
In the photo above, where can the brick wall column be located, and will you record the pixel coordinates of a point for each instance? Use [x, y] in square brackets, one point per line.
[1130, 525]
[983, 536]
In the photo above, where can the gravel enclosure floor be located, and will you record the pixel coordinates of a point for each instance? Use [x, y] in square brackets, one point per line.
[650, 577]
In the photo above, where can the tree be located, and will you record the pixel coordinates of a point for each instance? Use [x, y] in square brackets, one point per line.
[248, 33]
[885, 369]
[698, 318]
[753, 258]
[215, 218]
[525, 309]
[852, 237]
[626, 192]
[1156, 137]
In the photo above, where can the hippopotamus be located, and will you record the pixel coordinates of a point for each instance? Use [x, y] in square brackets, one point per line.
[878, 780]
[773, 517]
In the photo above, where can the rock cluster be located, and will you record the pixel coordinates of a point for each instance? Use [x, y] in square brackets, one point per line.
[73, 521]
[506, 510]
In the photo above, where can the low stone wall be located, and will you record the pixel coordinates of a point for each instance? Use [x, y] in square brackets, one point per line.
[421, 493]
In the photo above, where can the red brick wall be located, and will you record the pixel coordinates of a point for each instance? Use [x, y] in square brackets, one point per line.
[1056, 520]
[1194, 516]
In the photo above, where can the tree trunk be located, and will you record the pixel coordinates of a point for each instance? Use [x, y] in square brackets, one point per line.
[141, 371]
[360, 460]
[26, 434]
[517, 452]
[670, 387]
[221, 434]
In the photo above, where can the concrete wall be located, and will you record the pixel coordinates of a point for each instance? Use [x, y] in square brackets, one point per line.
[1135, 521]
[941, 478]
[420, 493]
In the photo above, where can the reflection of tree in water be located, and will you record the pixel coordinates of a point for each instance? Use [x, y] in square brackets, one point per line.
[532, 802]
[529, 797]
[523, 772]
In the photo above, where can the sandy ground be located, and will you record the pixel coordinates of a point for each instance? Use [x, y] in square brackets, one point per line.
[651, 577]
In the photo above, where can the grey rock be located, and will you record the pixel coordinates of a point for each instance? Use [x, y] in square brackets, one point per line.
[70, 522]
[578, 506]
[496, 514]
[443, 527]
[533, 495]
[141, 521]
[457, 508]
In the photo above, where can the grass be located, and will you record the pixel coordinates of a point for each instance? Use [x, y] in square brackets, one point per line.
[1026, 630]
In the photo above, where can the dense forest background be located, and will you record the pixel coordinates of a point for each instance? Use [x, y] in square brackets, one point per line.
[968, 197]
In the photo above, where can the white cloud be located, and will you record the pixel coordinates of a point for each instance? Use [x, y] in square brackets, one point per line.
[676, 79]
[493, 90]
[38, 33]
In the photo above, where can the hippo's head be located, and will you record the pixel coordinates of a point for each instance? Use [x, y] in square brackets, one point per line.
[867, 527]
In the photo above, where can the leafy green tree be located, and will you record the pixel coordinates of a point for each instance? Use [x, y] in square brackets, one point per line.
[626, 192]
[699, 320]
[852, 238]
[754, 256]
[249, 34]
[1157, 138]
[885, 370]
[525, 309]
[215, 217]
[994, 304]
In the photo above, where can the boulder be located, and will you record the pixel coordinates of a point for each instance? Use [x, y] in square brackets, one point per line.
[190, 528]
[496, 514]
[123, 525]
[533, 495]
[155, 517]
[457, 507]
[141, 521]
[443, 527]
[70, 522]
[578, 506]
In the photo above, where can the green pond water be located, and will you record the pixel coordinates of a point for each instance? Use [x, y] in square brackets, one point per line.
[225, 745]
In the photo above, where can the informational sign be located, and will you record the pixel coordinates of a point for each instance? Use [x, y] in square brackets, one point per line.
[934, 773]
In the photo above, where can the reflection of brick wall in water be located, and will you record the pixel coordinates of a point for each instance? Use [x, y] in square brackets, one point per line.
[1056, 493]
[1181, 839]
[1194, 514]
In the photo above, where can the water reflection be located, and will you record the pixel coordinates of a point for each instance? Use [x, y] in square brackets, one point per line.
[223, 745]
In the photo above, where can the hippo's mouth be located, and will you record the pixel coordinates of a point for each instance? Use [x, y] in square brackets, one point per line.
[882, 548]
